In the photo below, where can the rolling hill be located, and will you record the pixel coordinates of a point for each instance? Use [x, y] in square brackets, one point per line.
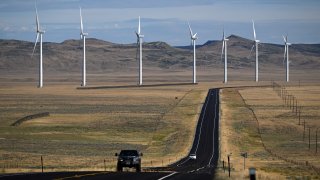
[103, 56]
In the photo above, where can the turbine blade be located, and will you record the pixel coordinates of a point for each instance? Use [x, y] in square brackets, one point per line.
[222, 49]
[37, 18]
[284, 55]
[284, 39]
[139, 28]
[35, 44]
[81, 23]
[223, 37]
[254, 31]
[191, 34]
[251, 51]
[137, 50]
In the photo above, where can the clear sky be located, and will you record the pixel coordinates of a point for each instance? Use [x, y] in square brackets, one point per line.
[163, 20]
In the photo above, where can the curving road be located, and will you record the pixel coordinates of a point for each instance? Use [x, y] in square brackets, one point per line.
[205, 146]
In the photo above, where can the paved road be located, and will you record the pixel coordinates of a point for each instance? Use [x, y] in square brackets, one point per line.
[205, 146]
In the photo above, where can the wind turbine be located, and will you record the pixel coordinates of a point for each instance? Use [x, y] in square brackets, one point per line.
[139, 42]
[257, 55]
[193, 42]
[83, 37]
[39, 32]
[286, 55]
[224, 47]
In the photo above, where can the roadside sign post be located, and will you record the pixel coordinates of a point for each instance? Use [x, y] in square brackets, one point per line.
[244, 155]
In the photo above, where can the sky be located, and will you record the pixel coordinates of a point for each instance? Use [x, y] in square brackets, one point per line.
[162, 20]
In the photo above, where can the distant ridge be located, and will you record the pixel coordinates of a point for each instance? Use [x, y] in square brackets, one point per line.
[104, 56]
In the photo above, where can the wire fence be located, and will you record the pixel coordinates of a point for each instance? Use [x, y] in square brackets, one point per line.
[38, 163]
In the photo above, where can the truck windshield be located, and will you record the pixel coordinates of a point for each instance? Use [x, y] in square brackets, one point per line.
[129, 153]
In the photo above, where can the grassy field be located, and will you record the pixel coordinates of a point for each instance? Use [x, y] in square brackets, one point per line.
[256, 121]
[87, 126]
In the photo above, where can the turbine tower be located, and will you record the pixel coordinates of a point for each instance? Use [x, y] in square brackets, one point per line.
[193, 42]
[139, 43]
[39, 32]
[224, 48]
[83, 37]
[286, 55]
[257, 55]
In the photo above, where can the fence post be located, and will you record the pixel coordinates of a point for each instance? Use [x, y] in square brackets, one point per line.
[309, 138]
[229, 168]
[317, 140]
[224, 169]
[105, 167]
[296, 107]
[304, 128]
[299, 114]
[41, 164]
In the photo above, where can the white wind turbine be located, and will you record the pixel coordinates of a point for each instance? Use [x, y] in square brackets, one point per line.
[83, 37]
[193, 42]
[286, 55]
[256, 47]
[224, 47]
[139, 42]
[39, 32]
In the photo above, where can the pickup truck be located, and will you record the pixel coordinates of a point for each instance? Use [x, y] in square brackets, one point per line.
[129, 158]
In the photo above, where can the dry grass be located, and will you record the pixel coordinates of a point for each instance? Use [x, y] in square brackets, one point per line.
[285, 153]
[87, 126]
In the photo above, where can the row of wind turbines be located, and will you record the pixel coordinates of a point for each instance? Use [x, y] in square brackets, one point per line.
[140, 37]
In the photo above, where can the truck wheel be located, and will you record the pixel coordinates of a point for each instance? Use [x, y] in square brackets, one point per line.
[138, 168]
[119, 168]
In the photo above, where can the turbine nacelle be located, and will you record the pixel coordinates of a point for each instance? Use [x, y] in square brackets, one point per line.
[192, 36]
[285, 39]
[139, 35]
[84, 34]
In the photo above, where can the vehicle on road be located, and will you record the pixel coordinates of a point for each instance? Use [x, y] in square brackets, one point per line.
[129, 158]
[193, 156]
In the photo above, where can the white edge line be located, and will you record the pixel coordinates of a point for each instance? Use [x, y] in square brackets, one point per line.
[168, 176]
[214, 126]
[205, 108]
[204, 113]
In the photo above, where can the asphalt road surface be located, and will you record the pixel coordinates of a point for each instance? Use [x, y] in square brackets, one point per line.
[205, 146]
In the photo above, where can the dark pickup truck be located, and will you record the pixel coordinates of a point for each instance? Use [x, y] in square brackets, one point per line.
[129, 158]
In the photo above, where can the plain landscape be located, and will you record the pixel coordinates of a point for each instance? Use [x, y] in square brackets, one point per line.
[87, 126]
